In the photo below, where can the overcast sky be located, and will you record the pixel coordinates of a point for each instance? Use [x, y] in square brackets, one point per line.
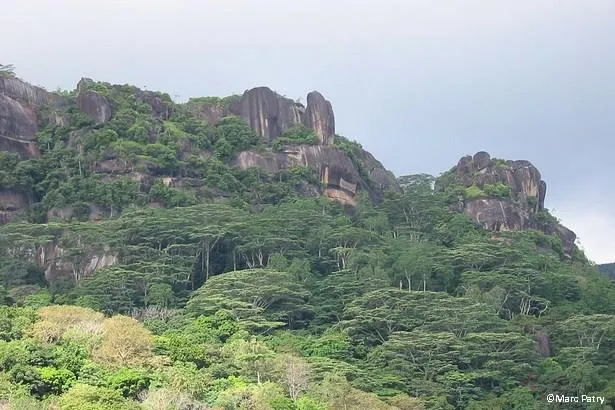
[418, 83]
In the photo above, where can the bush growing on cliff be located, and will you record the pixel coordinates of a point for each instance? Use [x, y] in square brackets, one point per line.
[474, 192]
[298, 135]
[498, 190]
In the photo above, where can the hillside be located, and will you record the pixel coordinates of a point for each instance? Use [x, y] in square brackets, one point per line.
[236, 253]
[608, 269]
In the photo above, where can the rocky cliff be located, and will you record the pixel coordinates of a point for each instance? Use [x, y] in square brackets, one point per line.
[19, 106]
[270, 114]
[504, 195]
[164, 154]
[339, 175]
[96, 115]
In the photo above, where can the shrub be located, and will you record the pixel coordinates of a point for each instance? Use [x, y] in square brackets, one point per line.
[84, 397]
[474, 192]
[498, 190]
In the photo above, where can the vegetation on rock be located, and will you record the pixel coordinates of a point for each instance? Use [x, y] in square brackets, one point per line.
[151, 273]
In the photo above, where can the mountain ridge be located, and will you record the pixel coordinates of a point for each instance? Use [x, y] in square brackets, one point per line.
[230, 246]
[119, 135]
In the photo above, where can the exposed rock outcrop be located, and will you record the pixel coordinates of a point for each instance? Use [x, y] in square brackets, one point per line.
[19, 104]
[270, 114]
[339, 175]
[90, 102]
[521, 208]
[23, 92]
[53, 260]
[319, 117]
[336, 170]
[378, 176]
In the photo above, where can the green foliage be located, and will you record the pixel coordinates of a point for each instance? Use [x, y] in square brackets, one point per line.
[498, 190]
[85, 397]
[474, 192]
[500, 163]
[234, 135]
[297, 135]
[237, 291]
[170, 197]
[261, 299]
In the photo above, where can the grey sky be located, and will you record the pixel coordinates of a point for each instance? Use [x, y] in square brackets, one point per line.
[418, 83]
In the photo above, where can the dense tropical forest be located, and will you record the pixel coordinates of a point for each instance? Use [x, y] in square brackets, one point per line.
[235, 290]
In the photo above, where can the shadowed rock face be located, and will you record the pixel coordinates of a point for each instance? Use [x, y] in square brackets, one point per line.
[23, 92]
[96, 106]
[521, 176]
[270, 114]
[12, 203]
[335, 168]
[520, 210]
[18, 126]
[19, 103]
[319, 117]
[338, 173]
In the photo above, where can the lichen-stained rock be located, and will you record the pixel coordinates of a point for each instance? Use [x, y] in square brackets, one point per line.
[212, 113]
[90, 102]
[319, 117]
[270, 114]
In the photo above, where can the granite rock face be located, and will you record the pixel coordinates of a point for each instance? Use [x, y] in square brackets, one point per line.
[335, 168]
[19, 105]
[23, 92]
[270, 114]
[338, 174]
[522, 209]
[521, 176]
[90, 102]
[319, 117]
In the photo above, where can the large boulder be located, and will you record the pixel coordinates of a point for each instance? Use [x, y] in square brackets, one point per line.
[267, 112]
[19, 105]
[18, 127]
[23, 92]
[92, 103]
[522, 208]
[270, 114]
[319, 117]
